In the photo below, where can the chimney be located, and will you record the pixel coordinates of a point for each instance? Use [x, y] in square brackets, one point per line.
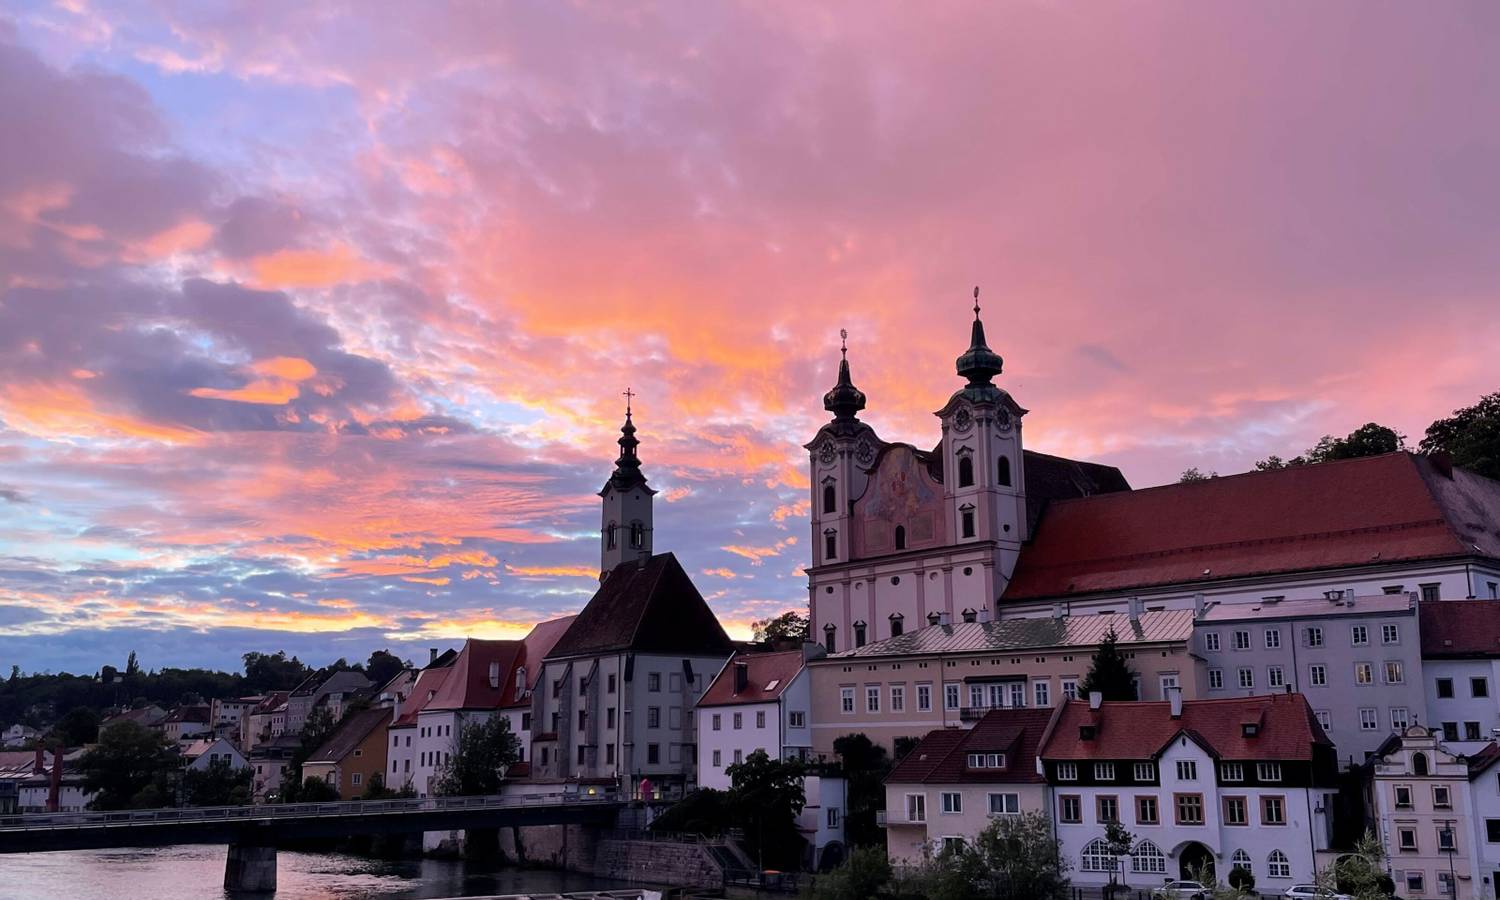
[943, 618]
[431, 655]
[1134, 608]
[1057, 611]
[984, 614]
[741, 677]
[55, 789]
[1174, 696]
[1096, 699]
[1198, 606]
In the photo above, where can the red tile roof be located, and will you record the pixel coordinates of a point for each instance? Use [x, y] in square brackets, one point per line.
[1141, 730]
[1459, 629]
[1379, 509]
[350, 733]
[1482, 760]
[429, 680]
[942, 756]
[534, 649]
[647, 606]
[469, 685]
[763, 670]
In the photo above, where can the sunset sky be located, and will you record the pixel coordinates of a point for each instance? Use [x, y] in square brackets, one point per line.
[314, 317]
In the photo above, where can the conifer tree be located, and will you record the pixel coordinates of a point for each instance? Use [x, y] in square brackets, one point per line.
[1109, 675]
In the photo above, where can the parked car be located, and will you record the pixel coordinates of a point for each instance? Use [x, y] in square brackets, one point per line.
[1312, 892]
[1180, 890]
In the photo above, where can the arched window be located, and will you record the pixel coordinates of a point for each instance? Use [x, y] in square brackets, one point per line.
[1002, 474]
[1148, 858]
[830, 544]
[830, 499]
[637, 535]
[609, 536]
[1097, 858]
[859, 634]
[898, 624]
[965, 471]
[900, 537]
[966, 521]
[520, 679]
[1419, 764]
[1278, 866]
[830, 639]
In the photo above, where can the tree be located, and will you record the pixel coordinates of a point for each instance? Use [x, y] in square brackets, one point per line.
[128, 768]
[376, 790]
[80, 726]
[1023, 856]
[865, 766]
[1193, 474]
[220, 784]
[1360, 874]
[1109, 675]
[481, 754]
[383, 666]
[132, 665]
[866, 874]
[1368, 439]
[309, 790]
[1471, 436]
[765, 798]
[1118, 841]
[704, 811]
[273, 671]
[316, 731]
[788, 628]
[1241, 879]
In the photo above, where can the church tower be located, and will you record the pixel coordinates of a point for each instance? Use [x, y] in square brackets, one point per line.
[986, 480]
[625, 531]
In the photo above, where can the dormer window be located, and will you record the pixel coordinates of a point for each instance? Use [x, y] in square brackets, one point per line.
[986, 760]
[965, 470]
[898, 624]
[830, 639]
[1088, 732]
[494, 674]
[1002, 472]
[1249, 729]
[970, 615]
[520, 679]
[859, 634]
[830, 499]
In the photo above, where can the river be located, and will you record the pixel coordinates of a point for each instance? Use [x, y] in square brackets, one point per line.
[197, 872]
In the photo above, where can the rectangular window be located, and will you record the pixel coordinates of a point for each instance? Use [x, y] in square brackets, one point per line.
[1104, 771]
[1492, 830]
[653, 717]
[760, 718]
[1431, 592]
[1247, 677]
[1187, 770]
[1442, 798]
[610, 684]
[1069, 809]
[1145, 772]
[1414, 881]
[924, 698]
[1390, 634]
[1471, 731]
[739, 721]
[1450, 731]
[718, 759]
[1312, 637]
[1232, 771]
[653, 682]
[898, 699]
[1242, 640]
[653, 754]
[1359, 635]
[1275, 677]
[1446, 838]
[1273, 810]
[1106, 809]
[716, 722]
[953, 802]
[1402, 795]
[1268, 771]
[1324, 719]
[1189, 809]
[916, 807]
[1067, 771]
[1364, 673]
[1070, 688]
[1317, 676]
[1041, 692]
[1145, 811]
[1211, 642]
[1215, 679]
[846, 700]
[872, 698]
[1369, 719]
[739, 756]
[1444, 688]
[1400, 718]
[1236, 811]
[1479, 687]
[1004, 804]
[1445, 884]
[1017, 694]
[1394, 672]
[1273, 638]
[950, 696]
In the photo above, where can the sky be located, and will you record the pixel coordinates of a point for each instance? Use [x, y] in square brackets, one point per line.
[315, 318]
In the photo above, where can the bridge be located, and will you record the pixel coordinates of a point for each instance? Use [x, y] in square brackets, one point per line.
[253, 832]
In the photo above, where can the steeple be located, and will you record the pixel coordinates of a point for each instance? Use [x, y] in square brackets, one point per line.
[845, 400]
[979, 363]
[627, 472]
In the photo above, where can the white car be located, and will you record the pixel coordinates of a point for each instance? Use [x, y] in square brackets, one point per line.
[1312, 892]
[1180, 890]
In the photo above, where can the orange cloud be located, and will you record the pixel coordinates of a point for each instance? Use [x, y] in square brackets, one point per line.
[569, 571]
[279, 382]
[337, 264]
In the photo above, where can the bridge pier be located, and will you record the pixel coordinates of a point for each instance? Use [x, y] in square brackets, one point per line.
[250, 869]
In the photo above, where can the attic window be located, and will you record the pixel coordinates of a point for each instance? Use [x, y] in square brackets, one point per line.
[986, 760]
[1250, 729]
[771, 685]
[1087, 732]
[494, 674]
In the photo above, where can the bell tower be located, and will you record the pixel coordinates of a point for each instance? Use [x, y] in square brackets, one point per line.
[625, 528]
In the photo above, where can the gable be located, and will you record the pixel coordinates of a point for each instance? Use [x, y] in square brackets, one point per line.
[648, 606]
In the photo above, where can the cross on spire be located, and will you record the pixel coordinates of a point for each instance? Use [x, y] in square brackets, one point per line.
[844, 342]
[976, 301]
[628, 394]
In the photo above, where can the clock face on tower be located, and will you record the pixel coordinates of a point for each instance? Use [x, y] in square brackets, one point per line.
[826, 453]
[864, 452]
[1002, 419]
[963, 419]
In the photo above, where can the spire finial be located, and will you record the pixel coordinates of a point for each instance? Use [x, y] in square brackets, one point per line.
[628, 395]
[844, 342]
[976, 302]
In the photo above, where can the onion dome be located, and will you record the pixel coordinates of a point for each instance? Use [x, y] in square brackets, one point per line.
[845, 400]
[627, 472]
[979, 363]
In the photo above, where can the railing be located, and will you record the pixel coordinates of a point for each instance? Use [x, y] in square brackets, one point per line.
[274, 811]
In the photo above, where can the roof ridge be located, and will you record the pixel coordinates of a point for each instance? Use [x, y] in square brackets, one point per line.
[667, 559]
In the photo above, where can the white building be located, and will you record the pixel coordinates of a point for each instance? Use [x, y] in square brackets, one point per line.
[1206, 783]
[1421, 802]
[17, 735]
[1484, 795]
[403, 755]
[1461, 672]
[758, 701]
[200, 754]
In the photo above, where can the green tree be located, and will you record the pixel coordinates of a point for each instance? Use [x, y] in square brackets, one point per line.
[1361, 874]
[129, 768]
[1193, 474]
[1369, 439]
[1471, 436]
[1118, 841]
[310, 790]
[704, 811]
[1241, 879]
[80, 726]
[1109, 675]
[316, 731]
[1022, 855]
[865, 766]
[273, 671]
[376, 790]
[383, 666]
[788, 628]
[765, 798]
[220, 784]
[865, 875]
[481, 754]
[132, 665]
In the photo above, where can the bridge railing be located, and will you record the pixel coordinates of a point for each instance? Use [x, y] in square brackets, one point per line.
[272, 811]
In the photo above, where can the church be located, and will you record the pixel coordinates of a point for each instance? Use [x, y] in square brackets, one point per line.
[979, 527]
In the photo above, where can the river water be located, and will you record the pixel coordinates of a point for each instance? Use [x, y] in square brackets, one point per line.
[197, 873]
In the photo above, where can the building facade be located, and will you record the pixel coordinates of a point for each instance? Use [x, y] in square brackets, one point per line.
[354, 756]
[951, 675]
[1199, 784]
[758, 701]
[1461, 671]
[1357, 660]
[1419, 793]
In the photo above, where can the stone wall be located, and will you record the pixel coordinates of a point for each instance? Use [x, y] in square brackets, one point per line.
[658, 862]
